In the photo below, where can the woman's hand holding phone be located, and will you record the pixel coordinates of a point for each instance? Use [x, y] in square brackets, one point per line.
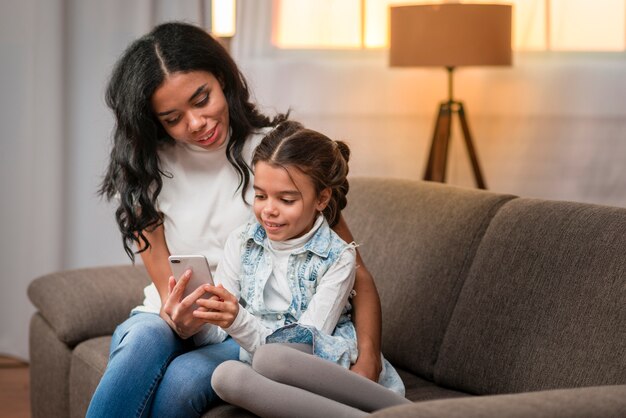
[194, 295]
[178, 309]
[185, 287]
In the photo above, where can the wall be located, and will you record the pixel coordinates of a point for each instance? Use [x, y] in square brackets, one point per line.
[31, 169]
[551, 126]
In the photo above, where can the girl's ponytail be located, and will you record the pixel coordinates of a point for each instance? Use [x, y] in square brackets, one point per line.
[338, 182]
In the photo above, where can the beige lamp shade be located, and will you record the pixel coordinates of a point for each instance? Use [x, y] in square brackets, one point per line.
[450, 35]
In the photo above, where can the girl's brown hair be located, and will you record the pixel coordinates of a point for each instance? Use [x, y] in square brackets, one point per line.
[323, 160]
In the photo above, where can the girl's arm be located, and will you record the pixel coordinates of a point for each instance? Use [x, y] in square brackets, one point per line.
[177, 312]
[367, 315]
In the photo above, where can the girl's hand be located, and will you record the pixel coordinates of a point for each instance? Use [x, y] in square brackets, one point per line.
[178, 311]
[368, 364]
[221, 309]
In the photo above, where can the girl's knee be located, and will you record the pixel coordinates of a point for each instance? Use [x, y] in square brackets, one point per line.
[263, 358]
[228, 379]
[275, 361]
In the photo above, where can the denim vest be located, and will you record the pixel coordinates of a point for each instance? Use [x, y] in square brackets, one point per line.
[306, 266]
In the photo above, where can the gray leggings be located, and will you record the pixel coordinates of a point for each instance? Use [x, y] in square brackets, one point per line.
[285, 380]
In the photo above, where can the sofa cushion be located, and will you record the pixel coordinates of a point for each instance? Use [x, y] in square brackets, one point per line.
[544, 303]
[418, 262]
[225, 410]
[596, 402]
[418, 389]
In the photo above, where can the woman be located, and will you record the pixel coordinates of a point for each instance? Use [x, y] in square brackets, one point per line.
[179, 167]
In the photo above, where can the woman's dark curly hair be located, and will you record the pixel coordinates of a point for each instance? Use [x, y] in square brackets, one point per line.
[133, 174]
[320, 158]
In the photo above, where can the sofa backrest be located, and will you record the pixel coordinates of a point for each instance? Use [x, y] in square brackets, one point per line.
[418, 240]
[544, 303]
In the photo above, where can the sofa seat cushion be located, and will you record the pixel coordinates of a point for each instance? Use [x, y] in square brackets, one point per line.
[543, 304]
[418, 389]
[596, 402]
[225, 410]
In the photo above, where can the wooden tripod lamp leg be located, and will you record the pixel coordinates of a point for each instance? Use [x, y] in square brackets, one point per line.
[478, 176]
[436, 166]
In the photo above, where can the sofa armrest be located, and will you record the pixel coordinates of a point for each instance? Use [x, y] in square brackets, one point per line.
[597, 401]
[86, 303]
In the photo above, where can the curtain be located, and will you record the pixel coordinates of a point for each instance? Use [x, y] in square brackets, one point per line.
[56, 57]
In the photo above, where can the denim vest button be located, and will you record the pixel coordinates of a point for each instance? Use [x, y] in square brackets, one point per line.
[279, 316]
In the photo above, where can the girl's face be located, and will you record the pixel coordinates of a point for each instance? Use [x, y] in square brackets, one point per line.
[192, 109]
[285, 201]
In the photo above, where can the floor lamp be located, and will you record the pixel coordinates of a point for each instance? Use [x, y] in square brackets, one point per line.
[450, 35]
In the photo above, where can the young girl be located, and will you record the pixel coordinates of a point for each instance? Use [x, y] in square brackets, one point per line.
[286, 279]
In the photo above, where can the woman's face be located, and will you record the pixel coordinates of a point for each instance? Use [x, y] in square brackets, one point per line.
[192, 108]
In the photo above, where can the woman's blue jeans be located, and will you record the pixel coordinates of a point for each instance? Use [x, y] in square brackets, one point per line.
[153, 372]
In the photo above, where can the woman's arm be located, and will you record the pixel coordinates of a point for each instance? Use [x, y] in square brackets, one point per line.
[177, 312]
[367, 315]
[156, 262]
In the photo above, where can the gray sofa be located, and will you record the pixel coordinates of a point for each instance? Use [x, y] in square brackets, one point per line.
[521, 301]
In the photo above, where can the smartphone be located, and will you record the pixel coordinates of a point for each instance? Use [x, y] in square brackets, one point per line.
[199, 266]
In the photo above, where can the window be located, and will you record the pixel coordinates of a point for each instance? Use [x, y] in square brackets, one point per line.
[539, 25]
[582, 25]
[319, 24]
